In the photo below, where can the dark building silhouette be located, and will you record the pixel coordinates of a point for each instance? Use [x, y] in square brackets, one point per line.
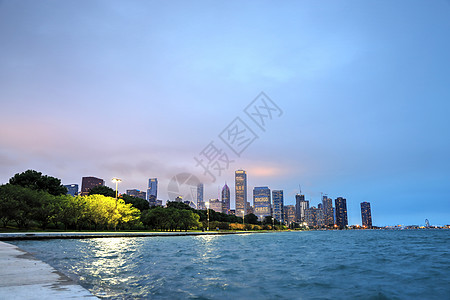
[341, 212]
[366, 215]
[87, 183]
[226, 199]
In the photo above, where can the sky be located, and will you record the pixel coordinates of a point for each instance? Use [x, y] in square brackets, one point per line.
[357, 98]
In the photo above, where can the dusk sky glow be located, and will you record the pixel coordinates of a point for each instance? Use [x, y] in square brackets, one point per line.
[137, 89]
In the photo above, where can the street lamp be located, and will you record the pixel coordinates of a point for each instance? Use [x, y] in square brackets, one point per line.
[273, 223]
[116, 180]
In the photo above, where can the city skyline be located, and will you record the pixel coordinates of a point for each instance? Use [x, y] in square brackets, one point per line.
[357, 96]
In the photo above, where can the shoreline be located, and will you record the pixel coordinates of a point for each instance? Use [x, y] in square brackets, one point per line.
[88, 235]
[22, 276]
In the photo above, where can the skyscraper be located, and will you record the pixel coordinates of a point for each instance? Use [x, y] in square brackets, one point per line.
[289, 214]
[341, 212]
[278, 205]
[312, 217]
[87, 183]
[215, 205]
[152, 191]
[300, 208]
[320, 215]
[72, 189]
[261, 202]
[327, 207]
[152, 188]
[366, 215]
[200, 203]
[225, 199]
[241, 192]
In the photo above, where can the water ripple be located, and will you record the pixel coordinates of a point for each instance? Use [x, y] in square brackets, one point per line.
[290, 265]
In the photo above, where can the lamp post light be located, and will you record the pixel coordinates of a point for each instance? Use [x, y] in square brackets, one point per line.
[116, 180]
[273, 223]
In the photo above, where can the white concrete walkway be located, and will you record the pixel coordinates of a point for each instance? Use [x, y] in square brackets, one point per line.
[24, 277]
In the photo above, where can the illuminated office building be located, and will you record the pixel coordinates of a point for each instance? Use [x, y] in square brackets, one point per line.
[261, 202]
[366, 215]
[278, 205]
[241, 192]
[341, 212]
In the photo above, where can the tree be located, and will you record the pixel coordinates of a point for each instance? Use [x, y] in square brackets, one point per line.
[102, 190]
[9, 203]
[188, 219]
[268, 220]
[36, 181]
[139, 203]
[251, 219]
[177, 205]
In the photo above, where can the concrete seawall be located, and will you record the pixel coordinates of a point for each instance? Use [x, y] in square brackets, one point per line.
[24, 277]
[90, 235]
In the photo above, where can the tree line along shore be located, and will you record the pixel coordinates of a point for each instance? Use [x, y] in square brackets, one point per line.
[32, 201]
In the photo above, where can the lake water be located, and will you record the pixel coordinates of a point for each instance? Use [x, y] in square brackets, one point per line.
[408, 264]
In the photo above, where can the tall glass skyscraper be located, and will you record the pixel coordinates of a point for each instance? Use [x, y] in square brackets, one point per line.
[226, 199]
[278, 205]
[200, 202]
[241, 192]
[152, 191]
[261, 202]
[301, 205]
[366, 215]
[341, 212]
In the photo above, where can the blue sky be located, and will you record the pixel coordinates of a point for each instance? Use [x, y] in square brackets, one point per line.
[135, 89]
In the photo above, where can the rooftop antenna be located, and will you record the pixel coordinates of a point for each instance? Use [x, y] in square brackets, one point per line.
[300, 189]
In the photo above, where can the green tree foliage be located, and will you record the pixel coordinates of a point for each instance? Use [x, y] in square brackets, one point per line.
[139, 203]
[25, 206]
[170, 218]
[251, 219]
[36, 181]
[267, 220]
[177, 205]
[102, 190]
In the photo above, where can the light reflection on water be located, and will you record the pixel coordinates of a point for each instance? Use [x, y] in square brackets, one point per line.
[296, 265]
